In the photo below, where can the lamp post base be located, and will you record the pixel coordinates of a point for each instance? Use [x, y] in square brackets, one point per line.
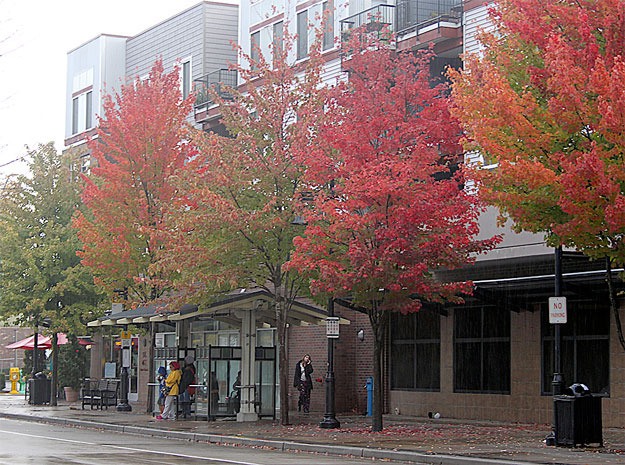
[329, 422]
[124, 407]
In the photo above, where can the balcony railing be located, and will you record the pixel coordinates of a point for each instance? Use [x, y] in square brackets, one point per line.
[407, 16]
[374, 19]
[416, 14]
[219, 81]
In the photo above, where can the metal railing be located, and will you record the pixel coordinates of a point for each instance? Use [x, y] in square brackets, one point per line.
[218, 81]
[417, 14]
[375, 19]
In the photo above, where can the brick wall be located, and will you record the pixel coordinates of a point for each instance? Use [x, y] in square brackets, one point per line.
[353, 362]
[9, 335]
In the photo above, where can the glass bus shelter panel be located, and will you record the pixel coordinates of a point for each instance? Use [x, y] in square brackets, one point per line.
[266, 386]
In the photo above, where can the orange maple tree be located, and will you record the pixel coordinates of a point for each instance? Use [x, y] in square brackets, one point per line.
[545, 102]
[388, 207]
[141, 143]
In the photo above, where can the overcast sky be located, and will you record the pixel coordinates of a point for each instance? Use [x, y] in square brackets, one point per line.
[35, 36]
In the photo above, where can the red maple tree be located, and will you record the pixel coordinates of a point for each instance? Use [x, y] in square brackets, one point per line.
[388, 207]
[141, 143]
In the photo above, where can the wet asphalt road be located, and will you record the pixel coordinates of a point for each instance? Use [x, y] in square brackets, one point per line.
[34, 443]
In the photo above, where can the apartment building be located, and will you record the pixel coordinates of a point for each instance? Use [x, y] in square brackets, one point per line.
[198, 40]
[492, 358]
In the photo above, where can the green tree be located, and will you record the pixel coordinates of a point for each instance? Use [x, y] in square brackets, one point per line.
[40, 273]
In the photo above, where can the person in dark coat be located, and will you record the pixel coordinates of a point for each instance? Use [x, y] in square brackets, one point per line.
[303, 382]
[188, 378]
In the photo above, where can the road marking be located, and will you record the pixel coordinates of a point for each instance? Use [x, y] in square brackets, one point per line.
[133, 449]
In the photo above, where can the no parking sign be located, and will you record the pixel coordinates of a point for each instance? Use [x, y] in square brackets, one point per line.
[557, 310]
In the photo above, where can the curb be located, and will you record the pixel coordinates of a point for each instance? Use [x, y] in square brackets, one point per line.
[284, 446]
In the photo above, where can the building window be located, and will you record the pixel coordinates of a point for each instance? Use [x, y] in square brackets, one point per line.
[328, 25]
[89, 111]
[185, 78]
[85, 163]
[416, 351]
[75, 108]
[302, 35]
[585, 346]
[482, 350]
[255, 49]
[278, 39]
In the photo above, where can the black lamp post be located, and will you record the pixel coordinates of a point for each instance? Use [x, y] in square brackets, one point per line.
[123, 405]
[329, 419]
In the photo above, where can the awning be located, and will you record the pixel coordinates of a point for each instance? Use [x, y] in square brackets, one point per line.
[137, 315]
[302, 312]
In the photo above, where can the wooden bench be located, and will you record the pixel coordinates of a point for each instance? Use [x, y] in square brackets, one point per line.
[109, 393]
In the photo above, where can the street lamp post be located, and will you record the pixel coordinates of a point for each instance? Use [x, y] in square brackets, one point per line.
[329, 419]
[123, 405]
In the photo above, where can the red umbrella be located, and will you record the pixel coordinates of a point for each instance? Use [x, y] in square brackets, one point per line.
[26, 343]
[43, 342]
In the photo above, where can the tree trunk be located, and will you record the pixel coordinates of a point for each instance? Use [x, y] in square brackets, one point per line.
[283, 368]
[55, 370]
[378, 326]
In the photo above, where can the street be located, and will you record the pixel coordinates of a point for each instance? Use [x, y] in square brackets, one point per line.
[36, 443]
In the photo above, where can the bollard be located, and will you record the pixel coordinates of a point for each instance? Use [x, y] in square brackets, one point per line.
[369, 387]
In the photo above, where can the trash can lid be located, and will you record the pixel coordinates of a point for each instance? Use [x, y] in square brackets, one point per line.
[579, 389]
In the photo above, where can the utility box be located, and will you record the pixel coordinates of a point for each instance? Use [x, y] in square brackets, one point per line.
[578, 420]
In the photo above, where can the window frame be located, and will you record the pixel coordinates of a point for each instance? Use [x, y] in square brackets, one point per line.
[485, 343]
[420, 344]
[302, 35]
[570, 334]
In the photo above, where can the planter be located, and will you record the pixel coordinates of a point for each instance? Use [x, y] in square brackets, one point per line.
[71, 394]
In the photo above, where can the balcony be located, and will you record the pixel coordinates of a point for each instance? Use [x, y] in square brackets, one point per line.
[374, 19]
[219, 82]
[416, 15]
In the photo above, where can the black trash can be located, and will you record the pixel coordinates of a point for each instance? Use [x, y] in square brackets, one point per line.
[578, 418]
[39, 391]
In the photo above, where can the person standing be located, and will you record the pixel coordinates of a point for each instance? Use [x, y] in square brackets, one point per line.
[186, 391]
[162, 389]
[303, 382]
[172, 383]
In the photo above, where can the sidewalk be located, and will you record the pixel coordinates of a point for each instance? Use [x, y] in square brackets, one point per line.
[416, 440]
